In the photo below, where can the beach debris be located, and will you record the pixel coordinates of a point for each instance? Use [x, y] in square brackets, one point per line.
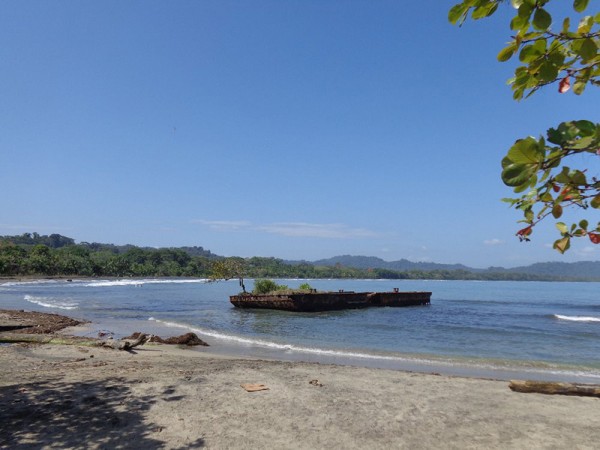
[315, 383]
[554, 388]
[125, 344]
[189, 339]
[254, 387]
[32, 322]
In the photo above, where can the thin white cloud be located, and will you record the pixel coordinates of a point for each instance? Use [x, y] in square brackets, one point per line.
[493, 241]
[318, 230]
[292, 229]
[587, 251]
[225, 225]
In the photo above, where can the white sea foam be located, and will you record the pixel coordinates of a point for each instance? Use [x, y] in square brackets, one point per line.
[141, 282]
[50, 302]
[577, 318]
[411, 360]
[22, 283]
[275, 345]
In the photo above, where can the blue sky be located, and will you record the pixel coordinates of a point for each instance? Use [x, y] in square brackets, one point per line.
[295, 129]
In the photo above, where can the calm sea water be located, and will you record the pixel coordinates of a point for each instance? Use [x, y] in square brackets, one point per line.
[497, 329]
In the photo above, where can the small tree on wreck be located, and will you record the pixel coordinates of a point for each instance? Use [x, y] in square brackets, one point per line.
[227, 269]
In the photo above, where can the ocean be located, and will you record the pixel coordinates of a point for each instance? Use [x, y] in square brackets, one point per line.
[495, 329]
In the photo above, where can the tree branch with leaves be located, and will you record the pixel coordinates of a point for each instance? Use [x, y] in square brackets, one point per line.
[536, 167]
[227, 269]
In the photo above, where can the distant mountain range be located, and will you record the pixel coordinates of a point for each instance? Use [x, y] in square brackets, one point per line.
[588, 270]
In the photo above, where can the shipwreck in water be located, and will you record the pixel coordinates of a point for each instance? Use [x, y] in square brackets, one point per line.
[329, 301]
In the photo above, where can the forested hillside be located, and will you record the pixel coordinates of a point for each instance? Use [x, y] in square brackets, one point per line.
[56, 255]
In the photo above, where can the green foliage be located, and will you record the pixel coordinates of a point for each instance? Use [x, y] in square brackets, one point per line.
[265, 286]
[80, 260]
[19, 257]
[228, 268]
[567, 55]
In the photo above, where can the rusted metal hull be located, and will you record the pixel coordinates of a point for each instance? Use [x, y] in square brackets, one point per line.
[329, 301]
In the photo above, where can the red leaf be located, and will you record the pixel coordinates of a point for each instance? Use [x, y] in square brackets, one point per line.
[594, 237]
[525, 231]
[564, 85]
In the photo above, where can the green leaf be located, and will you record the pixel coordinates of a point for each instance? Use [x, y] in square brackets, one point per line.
[548, 71]
[529, 53]
[563, 177]
[525, 10]
[522, 188]
[457, 13]
[583, 224]
[526, 151]
[557, 211]
[517, 175]
[583, 143]
[595, 203]
[562, 245]
[507, 52]
[562, 227]
[555, 136]
[485, 10]
[585, 25]
[579, 87]
[586, 127]
[588, 49]
[578, 178]
[519, 23]
[580, 5]
[542, 19]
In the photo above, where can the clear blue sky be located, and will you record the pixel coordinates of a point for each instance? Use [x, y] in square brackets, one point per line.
[296, 129]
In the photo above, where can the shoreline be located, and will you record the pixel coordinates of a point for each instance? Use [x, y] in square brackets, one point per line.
[478, 368]
[161, 396]
[225, 346]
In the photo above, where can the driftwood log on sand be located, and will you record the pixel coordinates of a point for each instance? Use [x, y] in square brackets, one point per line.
[125, 344]
[189, 339]
[128, 343]
[552, 388]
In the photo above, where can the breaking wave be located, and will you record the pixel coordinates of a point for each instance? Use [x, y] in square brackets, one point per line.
[577, 318]
[50, 302]
[140, 282]
[399, 361]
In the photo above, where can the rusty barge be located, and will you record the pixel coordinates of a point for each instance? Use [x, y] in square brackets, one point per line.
[330, 301]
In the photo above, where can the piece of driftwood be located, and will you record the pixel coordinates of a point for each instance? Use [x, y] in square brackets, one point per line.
[126, 345]
[553, 388]
[254, 387]
[189, 339]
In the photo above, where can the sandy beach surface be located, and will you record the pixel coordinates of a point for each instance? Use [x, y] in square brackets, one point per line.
[161, 396]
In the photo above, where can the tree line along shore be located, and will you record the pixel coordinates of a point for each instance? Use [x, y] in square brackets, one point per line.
[31, 255]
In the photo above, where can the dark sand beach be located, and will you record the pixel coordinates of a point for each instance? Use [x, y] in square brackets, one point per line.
[161, 396]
